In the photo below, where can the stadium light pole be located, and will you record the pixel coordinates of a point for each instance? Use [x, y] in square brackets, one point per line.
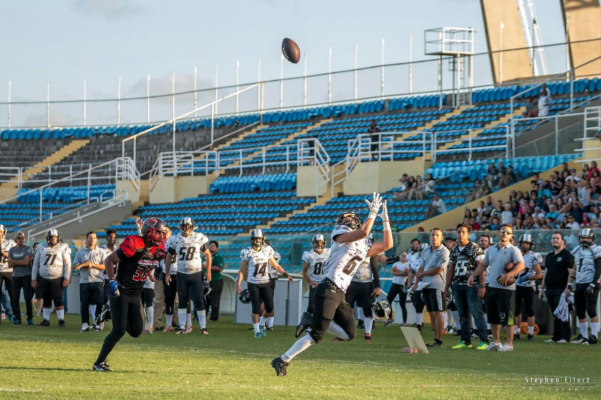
[382, 66]
[356, 50]
[48, 104]
[119, 102]
[216, 85]
[281, 81]
[84, 102]
[305, 83]
[9, 87]
[147, 99]
[330, 75]
[237, 84]
[195, 91]
[410, 64]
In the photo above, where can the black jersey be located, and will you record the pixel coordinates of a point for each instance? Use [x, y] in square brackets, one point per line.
[466, 260]
[137, 262]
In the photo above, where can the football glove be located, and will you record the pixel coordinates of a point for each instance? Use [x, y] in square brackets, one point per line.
[591, 288]
[384, 213]
[374, 205]
[159, 255]
[113, 289]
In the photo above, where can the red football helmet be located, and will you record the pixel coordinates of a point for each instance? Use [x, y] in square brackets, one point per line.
[153, 230]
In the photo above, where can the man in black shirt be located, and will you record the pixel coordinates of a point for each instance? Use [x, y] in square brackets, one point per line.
[558, 265]
[374, 130]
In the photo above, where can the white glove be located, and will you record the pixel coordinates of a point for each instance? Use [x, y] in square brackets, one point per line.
[384, 213]
[374, 205]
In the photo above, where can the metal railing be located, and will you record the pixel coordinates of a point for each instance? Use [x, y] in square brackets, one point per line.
[123, 169]
[311, 152]
[183, 163]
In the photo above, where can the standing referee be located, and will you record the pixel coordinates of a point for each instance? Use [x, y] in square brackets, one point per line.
[558, 267]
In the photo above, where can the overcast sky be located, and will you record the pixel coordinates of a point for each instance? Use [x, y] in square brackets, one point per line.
[102, 40]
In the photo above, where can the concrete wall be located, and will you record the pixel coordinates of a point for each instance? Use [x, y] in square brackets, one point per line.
[307, 179]
[128, 187]
[516, 64]
[582, 20]
[7, 193]
[171, 189]
[371, 177]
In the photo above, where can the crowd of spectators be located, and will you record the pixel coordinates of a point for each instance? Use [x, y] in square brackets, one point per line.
[417, 187]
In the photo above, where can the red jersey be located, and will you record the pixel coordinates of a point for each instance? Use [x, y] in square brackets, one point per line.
[137, 262]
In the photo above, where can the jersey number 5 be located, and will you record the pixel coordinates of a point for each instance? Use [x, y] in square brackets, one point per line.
[141, 274]
[352, 263]
[187, 253]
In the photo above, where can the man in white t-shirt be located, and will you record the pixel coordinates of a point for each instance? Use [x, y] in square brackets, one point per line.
[507, 215]
[544, 101]
[400, 271]
[437, 207]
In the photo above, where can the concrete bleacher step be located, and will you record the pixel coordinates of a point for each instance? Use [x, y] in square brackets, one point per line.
[320, 202]
[519, 111]
[52, 159]
[235, 139]
[279, 142]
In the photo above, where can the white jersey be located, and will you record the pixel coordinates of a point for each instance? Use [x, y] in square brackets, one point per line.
[108, 252]
[400, 280]
[584, 260]
[345, 258]
[189, 252]
[530, 260]
[52, 262]
[414, 259]
[173, 270]
[316, 263]
[273, 274]
[148, 284]
[257, 264]
[364, 273]
[5, 246]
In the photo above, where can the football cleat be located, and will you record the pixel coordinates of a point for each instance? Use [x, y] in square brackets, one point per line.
[44, 323]
[419, 327]
[494, 347]
[474, 334]
[506, 347]
[580, 340]
[262, 330]
[304, 324]
[462, 345]
[97, 328]
[258, 335]
[434, 344]
[360, 324]
[367, 338]
[61, 323]
[85, 328]
[550, 341]
[280, 366]
[562, 341]
[592, 339]
[389, 322]
[187, 330]
[203, 331]
[149, 331]
[102, 367]
[516, 336]
[16, 322]
[105, 315]
[168, 329]
[30, 322]
[530, 337]
[269, 328]
[482, 346]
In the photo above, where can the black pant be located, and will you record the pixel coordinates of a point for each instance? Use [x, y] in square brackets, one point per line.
[361, 293]
[22, 282]
[311, 305]
[90, 294]
[418, 302]
[561, 329]
[190, 287]
[397, 289]
[584, 303]
[127, 316]
[52, 291]
[261, 293]
[170, 292]
[331, 305]
[214, 298]
[525, 293]
[148, 297]
[7, 279]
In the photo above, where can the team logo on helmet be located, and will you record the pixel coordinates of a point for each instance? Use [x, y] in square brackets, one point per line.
[153, 230]
[349, 219]
[257, 239]
[318, 242]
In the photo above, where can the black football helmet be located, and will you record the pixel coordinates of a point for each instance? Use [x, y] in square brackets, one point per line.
[153, 231]
[245, 296]
[187, 222]
[206, 288]
[587, 237]
[526, 238]
[349, 219]
[50, 233]
[257, 239]
[318, 242]
[381, 308]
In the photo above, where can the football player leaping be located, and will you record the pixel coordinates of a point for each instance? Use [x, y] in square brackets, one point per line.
[349, 248]
[137, 257]
[187, 246]
[254, 267]
[313, 263]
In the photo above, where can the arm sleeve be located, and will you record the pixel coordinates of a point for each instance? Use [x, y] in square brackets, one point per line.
[66, 264]
[597, 270]
[34, 271]
[171, 251]
[373, 263]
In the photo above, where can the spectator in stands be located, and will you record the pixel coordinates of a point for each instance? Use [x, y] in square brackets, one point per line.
[549, 224]
[495, 224]
[485, 226]
[518, 224]
[509, 178]
[528, 222]
[507, 215]
[467, 214]
[552, 214]
[475, 225]
[430, 184]
[408, 185]
[418, 189]
[573, 177]
[437, 207]
[531, 109]
[577, 211]
[593, 169]
[572, 224]
[374, 131]
[491, 175]
[544, 101]
[586, 222]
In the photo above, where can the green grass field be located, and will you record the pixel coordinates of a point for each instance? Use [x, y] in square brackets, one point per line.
[230, 363]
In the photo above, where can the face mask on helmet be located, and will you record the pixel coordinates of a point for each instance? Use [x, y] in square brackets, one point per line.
[381, 309]
[349, 219]
[318, 242]
[153, 231]
[186, 226]
[587, 238]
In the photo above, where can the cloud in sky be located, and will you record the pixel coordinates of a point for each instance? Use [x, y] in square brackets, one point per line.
[110, 9]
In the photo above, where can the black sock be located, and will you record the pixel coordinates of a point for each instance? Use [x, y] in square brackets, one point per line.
[438, 341]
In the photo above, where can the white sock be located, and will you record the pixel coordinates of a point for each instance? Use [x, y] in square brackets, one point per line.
[301, 345]
[256, 326]
[360, 314]
[84, 325]
[169, 319]
[202, 318]
[262, 320]
[456, 321]
[368, 324]
[149, 317]
[445, 319]
[270, 321]
[583, 329]
[336, 330]
[594, 328]
[46, 312]
[531, 330]
[188, 319]
[419, 319]
[93, 313]
[60, 314]
[181, 314]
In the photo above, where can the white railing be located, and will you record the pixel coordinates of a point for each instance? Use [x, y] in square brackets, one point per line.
[123, 169]
[182, 163]
[592, 122]
[311, 152]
